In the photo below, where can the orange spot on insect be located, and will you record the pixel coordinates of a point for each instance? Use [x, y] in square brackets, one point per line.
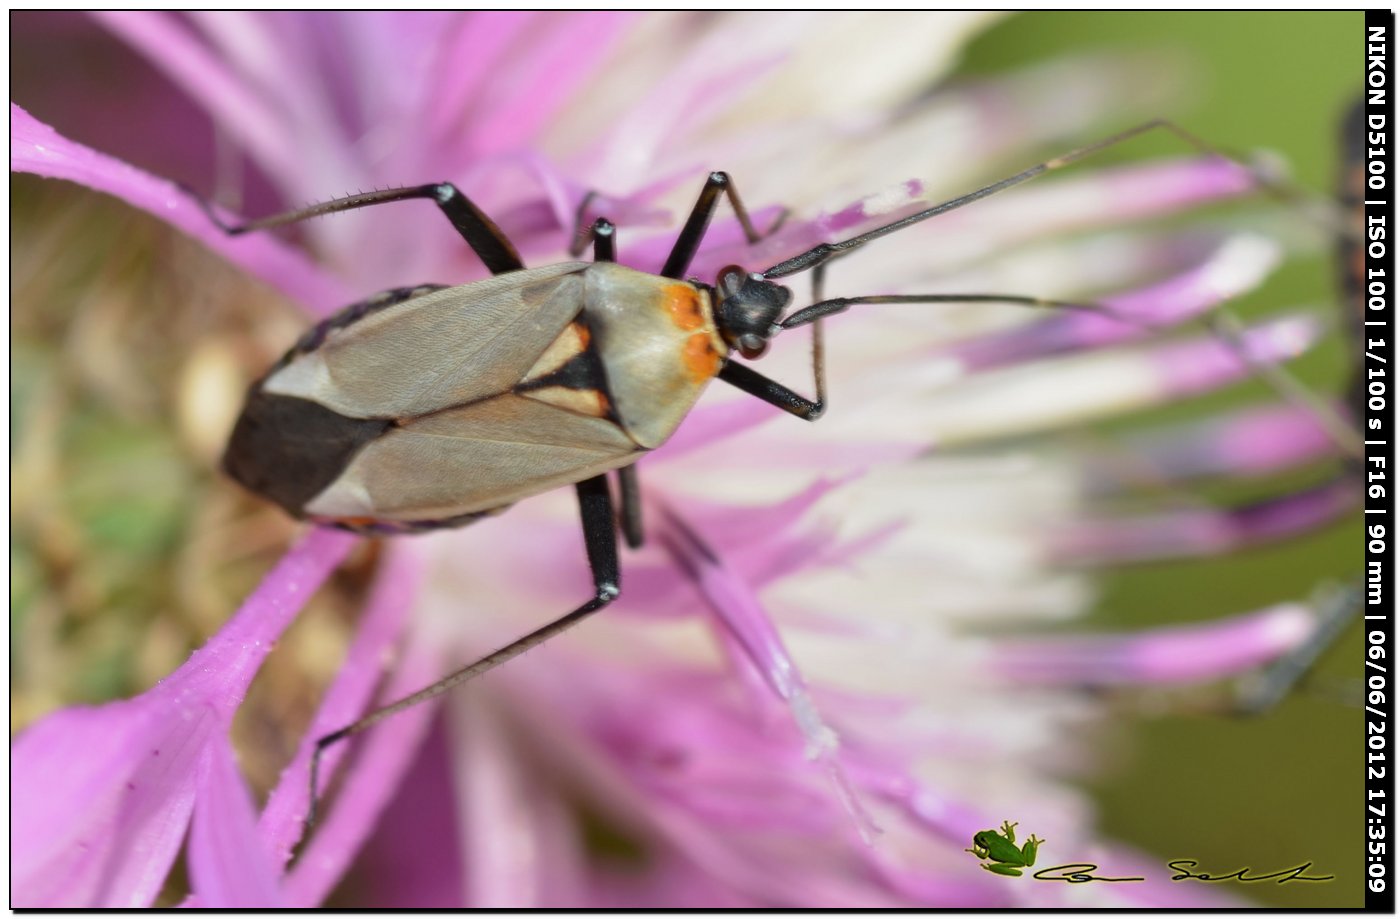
[581, 331]
[683, 303]
[700, 357]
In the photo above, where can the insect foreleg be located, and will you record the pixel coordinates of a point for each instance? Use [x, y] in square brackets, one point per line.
[600, 538]
[480, 232]
[771, 391]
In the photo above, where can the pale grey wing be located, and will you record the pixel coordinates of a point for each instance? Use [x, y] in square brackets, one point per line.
[473, 458]
[437, 350]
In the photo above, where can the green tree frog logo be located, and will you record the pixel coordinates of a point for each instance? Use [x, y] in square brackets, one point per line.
[1000, 849]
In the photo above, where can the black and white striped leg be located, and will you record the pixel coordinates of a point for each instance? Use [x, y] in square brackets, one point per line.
[600, 540]
[480, 232]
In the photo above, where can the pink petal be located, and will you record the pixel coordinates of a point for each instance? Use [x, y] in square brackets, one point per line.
[1170, 655]
[467, 56]
[1239, 265]
[1207, 531]
[1094, 197]
[1063, 391]
[413, 858]
[1207, 363]
[382, 625]
[384, 755]
[743, 616]
[536, 861]
[254, 121]
[230, 866]
[571, 47]
[227, 663]
[35, 147]
[1258, 439]
[102, 796]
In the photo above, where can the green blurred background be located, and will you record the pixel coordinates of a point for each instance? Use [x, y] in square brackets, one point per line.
[1285, 789]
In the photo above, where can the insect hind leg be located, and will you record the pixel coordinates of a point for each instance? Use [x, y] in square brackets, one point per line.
[600, 539]
[480, 232]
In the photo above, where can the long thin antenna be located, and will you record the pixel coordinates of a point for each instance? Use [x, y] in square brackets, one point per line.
[824, 252]
[1220, 322]
[823, 308]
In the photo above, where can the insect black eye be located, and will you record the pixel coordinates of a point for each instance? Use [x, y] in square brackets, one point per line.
[730, 281]
[752, 346]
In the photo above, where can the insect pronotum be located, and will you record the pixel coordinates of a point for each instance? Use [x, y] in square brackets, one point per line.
[428, 407]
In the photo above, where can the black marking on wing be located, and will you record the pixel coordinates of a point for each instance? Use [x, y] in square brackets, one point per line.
[584, 372]
[289, 449]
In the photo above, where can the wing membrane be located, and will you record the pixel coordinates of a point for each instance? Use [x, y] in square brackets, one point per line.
[473, 458]
[444, 348]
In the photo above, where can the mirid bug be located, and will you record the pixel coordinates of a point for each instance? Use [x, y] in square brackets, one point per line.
[429, 407]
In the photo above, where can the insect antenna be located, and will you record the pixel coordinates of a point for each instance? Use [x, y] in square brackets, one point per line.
[831, 307]
[1320, 211]
[1220, 322]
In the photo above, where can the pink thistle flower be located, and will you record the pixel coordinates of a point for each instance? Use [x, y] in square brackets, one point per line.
[751, 715]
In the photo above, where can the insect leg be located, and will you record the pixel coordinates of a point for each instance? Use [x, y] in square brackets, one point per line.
[604, 240]
[629, 496]
[583, 231]
[688, 242]
[579, 239]
[775, 393]
[1219, 322]
[480, 232]
[600, 538]
[630, 499]
[772, 392]
[1265, 689]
